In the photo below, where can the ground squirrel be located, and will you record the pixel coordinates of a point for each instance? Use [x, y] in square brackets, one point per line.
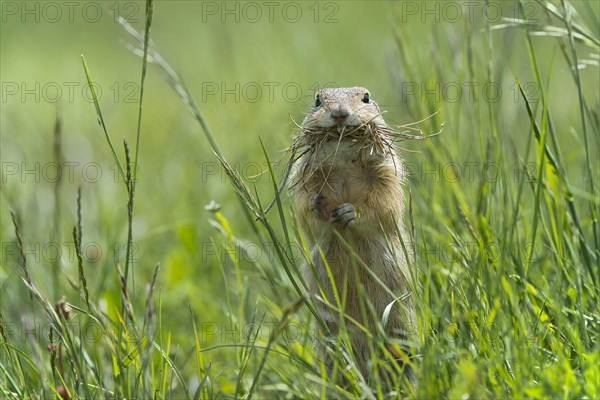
[346, 183]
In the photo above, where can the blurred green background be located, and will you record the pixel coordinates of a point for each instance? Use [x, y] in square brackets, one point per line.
[252, 69]
[224, 56]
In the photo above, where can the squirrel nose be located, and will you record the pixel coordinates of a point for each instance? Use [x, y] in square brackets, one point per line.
[339, 113]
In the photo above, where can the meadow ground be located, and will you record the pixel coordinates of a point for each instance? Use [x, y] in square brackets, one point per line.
[167, 279]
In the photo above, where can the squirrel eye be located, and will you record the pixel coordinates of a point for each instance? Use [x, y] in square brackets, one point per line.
[365, 98]
[318, 101]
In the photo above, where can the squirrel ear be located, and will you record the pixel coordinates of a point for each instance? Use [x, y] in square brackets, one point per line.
[317, 101]
[365, 98]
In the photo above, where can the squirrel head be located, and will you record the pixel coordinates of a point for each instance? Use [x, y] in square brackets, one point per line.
[343, 107]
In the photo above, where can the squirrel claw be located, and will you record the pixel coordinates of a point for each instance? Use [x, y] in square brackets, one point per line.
[345, 214]
[320, 207]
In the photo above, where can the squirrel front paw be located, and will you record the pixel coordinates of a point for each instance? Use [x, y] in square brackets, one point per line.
[319, 206]
[345, 215]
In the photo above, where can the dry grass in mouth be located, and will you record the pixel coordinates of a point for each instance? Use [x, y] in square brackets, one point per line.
[379, 138]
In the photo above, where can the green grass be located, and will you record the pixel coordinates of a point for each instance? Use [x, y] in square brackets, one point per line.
[159, 294]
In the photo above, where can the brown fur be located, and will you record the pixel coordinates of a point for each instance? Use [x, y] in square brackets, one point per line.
[352, 170]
